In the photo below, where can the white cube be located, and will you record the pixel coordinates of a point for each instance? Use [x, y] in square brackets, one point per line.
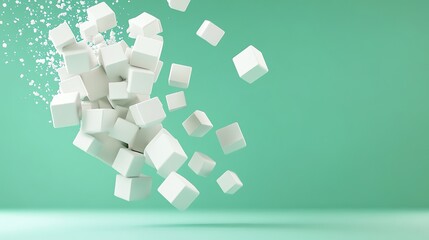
[210, 32]
[140, 80]
[123, 130]
[144, 24]
[88, 30]
[104, 103]
[250, 64]
[98, 39]
[85, 105]
[201, 164]
[124, 45]
[158, 69]
[118, 91]
[87, 143]
[115, 62]
[180, 75]
[165, 153]
[128, 163]
[146, 52]
[61, 36]
[63, 74]
[229, 182]
[96, 83]
[231, 138]
[65, 110]
[98, 120]
[133, 189]
[109, 148]
[179, 5]
[143, 137]
[74, 84]
[148, 113]
[176, 101]
[103, 16]
[178, 191]
[78, 58]
[122, 111]
[197, 124]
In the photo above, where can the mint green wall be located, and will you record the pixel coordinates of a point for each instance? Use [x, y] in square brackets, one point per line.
[341, 120]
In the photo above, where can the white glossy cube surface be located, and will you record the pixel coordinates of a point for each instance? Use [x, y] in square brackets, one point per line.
[88, 30]
[201, 164]
[231, 138]
[78, 58]
[210, 32]
[128, 163]
[197, 124]
[118, 91]
[74, 84]
[180, 75]
[98, 120]
[115, 62]
[87, 143]
[133, 189]
[143, 137]
[65, 109]
[96, 83]
[144, 24]
[61, 36]
[148, 113]
[103, 16]
[140, 80]
[179, 5]
[123, 130]
[229, 182]
[250, 64]
[146, 53]
[178, 191]
[176, 101]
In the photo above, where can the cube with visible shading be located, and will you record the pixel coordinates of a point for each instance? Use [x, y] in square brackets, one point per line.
[146, 53]
[103, 16]
[197, 124]
[250, 64]
[96, 83]
[201, 164]
[134, 188]
[87, 143]
[179, 5]
[98, 120]
[140, 80]
[115, 62]
[178, 191]
[229, 182]
[123, 130]
[231, 138]
[61, 36]
[109, 148]
[128, 163]
[118, 91]
[176, 101]
[143, 137]
[63, 74]
[210, 32]
[98, 39]
[78, 58]
[144, 24]
[65, 110]
[74, 84]
[158, 70]
[180, 75]
[148, 113]
[88, 30]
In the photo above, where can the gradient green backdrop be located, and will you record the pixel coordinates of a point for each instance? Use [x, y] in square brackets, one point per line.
[341, 120]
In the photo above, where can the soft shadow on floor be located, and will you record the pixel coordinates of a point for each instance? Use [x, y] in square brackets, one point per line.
[237, 225]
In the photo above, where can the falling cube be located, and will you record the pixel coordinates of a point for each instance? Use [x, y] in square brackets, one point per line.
[96, 83]
[109, 148]
[128, 163]
[115, 62]
[74, 84]
[78, 58]
[180, 75]
[229, 182]
[61, 36]
[103, 16]
[88, 30]
[201, 164]
[230, 138]
[87, 143]
[63, 74]
[123, 130]
[143, 137]
[250, 64]
[179, 5]
[178, 191]
[144, 24]
[65, 109]
[197, 124]
[146, 53]
[98, 120]
[148, 113]
[118, 91]
[176, 101]
[210, 32]
[134, 188]
[140, 80]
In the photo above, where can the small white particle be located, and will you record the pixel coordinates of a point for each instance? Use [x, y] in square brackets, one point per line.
[4, 45]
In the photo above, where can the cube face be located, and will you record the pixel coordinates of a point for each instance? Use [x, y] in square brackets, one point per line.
[201, 164]
[179, 5]
[97, 39]
[133, 189]
[77, 58]
[96, 83]
[128, 163]
[98, 120]
[250, 64]
[197, 124]
[178, 191]
[65, 110]
[231, 138]
[123, 131]
[87, 143]
[176, 101]
[158, 70]
[229, 182]
[210, 32]
[144, 24]
[146, 53]
[143, 137]
[118, 91]
[180, 75]
[63, 74]
[109, 148]
[74, 84]
[62, 36]
[148, 113]
[88, 30]
[103, 16]
[115, 62]
[140, 80]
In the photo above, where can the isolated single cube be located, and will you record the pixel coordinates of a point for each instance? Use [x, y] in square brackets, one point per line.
[87, 143]
[210, 32]
[96, 83]
[63, 74]
[144, 24]
[103, 16]
[229, 182]
[146, 53]
[78, 58]
[123, 130]
[158, 69]
[74, 84]
[231, 138]
[179, 5]
[201, 164]
[88, 30]
[148, 113]
[115, 62]
[109, 148]
[98, 120]
[134, 188]
[65, 110]
[176, 101]
[118, 91]
[140, 80]
[128, 163]
[250, 64]
[197, 124]
[143, 137]
[178, 191]
[61, 36]
[180, 75]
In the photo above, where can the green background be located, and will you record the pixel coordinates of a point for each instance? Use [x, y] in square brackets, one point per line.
[340, 121]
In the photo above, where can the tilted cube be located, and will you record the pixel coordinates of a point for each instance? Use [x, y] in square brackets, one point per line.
[61, 36]
[144, 24]
[96, 83]
[104, 103]
[140, 80]
[178, 191]
[180, 75]
[98, 38]
[85, 105]
[87, 143]
[143, 137]
[124, 131]
[109, 148]
[146, 53]
[122, 111]
[210, 32]
[65, 110]
[229, 182]
[134, 188]
[118, 91]
[78, 58]
[201, 164]
[103, 16]
[250, 64]
[128, 163]
[63, 74]
[98, 120]
[197, 124]
[88, 30]
[179, 5]
[176, 101]
[115, 62]
[148, 113]
[231, 138]
[74, 84]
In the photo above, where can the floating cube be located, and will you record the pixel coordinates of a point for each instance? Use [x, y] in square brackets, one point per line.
[74, 84]
[180, 75]
[144, 24]
[123, 130]
[109, 148]
[98, 120]
[148, 113]
[250, 64]
[96, 83]
[103, 16]
[97, 39]
[61, 36]
[230, 138]
[201, 164]
[158, 69]
[87, 143]
[229, 182]
[179, 5]
[63, 74]
[146, 52]
[176, 101]
[197, 124]
[140, 80]
[77, 58]
[210, 32]
[143, 137]
[133, 189]
[178, 191]
[165, 153]
[115, 62]
[128, 163]
[88, 30]
[118, 91]
[65, 110]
